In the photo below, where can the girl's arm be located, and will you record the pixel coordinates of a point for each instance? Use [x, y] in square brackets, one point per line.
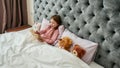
[53, 38]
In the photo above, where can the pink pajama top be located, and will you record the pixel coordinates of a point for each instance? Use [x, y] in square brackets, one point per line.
[49, 34]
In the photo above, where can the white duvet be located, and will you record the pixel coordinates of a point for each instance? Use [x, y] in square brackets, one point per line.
[21, 50]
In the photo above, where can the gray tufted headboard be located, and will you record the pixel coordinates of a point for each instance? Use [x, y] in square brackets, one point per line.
[95, 20]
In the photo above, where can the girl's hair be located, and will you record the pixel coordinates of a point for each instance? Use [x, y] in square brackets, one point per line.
[57, 18]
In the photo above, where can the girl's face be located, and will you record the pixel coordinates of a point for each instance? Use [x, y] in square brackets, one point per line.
[54, 24]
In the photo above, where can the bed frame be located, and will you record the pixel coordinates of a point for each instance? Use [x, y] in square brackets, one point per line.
[95, 20]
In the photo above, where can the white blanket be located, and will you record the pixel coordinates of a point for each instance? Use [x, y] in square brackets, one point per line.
[21, 50]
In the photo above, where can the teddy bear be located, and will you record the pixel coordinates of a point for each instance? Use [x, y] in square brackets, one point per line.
[65, 43]
[36, 35]
[78, 51]
[35, 28]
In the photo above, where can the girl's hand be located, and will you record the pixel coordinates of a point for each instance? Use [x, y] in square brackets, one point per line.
[40, 39]
[44, 37]
[37, 32]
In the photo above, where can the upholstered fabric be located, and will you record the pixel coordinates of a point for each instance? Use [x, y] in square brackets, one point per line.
[95, 20]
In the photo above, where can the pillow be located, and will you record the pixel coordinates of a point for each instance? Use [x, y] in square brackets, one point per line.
[61, 29]
[44, 24]
[89, 46]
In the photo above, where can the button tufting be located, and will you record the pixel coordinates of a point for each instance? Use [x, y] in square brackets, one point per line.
[99, 56]
[117, 46]
[39, 13]
[53, 4]
[113, 32]
[92, 14]
[79, 11]
[81, 37]
[97, 26]
[46, 2]
[107, 18]
[43, 8]
[108, 51]
[68, 24]
[61, 6]
[64, 15]
[37, 6]
[76, 1]
[89, 33]
[45, 16]
[102, 38]
[37, 18]
[77, 28]
[84, 22]
[101, 6]
[69, 8]
[74, 18]
[49, 10]
[87, 3]
[113, 64]
[56, 12]
[65, 0]
[40, 1]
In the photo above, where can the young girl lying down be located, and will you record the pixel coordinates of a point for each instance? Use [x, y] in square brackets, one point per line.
[51, 33]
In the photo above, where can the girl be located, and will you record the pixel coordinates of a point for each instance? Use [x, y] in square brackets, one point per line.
[51, 33]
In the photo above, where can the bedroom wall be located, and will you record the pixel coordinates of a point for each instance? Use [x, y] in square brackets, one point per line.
[30, 12]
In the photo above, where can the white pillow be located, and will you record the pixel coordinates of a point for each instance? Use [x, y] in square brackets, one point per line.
[44, 24]
[61, 29]
[89, 46]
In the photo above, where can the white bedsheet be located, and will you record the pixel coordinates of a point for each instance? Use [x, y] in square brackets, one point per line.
[95, 65]
[21, 50]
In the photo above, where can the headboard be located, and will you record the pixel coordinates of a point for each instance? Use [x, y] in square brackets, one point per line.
[95, 20]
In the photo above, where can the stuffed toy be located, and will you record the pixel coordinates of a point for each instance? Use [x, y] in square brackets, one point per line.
[36, 35]
[34, 31]
[65, 43]
[78, 51]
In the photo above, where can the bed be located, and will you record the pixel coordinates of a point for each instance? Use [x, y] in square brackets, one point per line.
[94, 20]
[21, 50]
